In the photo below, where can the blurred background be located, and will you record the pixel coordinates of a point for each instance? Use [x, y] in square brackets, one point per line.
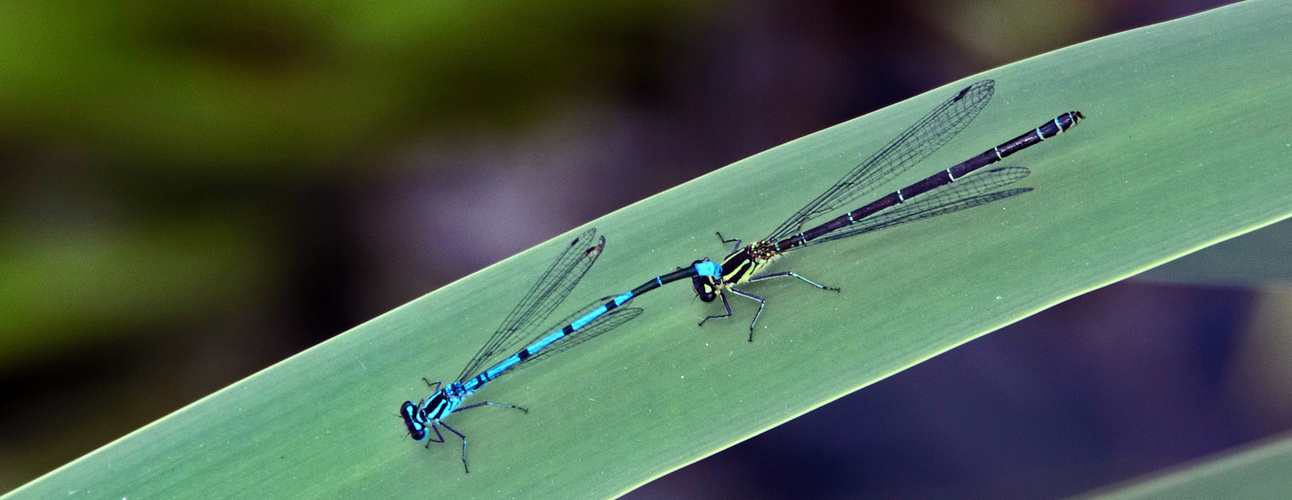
[190, 193]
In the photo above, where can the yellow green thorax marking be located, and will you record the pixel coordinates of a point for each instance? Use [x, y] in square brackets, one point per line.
[748, 262]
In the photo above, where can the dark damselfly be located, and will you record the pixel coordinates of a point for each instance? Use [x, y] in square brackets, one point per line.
[947, 191]
[552, 288]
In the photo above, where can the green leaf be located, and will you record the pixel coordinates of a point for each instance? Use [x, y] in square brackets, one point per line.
[1185, 144]
[1256, 471]
[1258, 258]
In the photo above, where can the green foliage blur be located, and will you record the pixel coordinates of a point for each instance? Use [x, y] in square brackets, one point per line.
[146, 112]
[258, 89]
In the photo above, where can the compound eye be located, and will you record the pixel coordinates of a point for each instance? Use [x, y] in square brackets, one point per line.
[703, 289]
[415, 428]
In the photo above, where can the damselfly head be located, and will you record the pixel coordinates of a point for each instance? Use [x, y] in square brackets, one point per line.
[705, 287]
[415, 427]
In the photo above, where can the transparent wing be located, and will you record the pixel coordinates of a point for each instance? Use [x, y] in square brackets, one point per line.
[604, 323]
[909, 148]
[974, 190]
[553, 286]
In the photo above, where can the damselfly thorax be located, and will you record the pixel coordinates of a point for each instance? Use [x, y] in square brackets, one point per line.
[744, 265]
[741, 265]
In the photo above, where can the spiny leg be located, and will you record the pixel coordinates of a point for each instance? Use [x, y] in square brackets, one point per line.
[434, 388]
[788, 273]
[490, 403]
[761, 302]
[735, 248]
[719, 316]
[437, 434]
[464, 447]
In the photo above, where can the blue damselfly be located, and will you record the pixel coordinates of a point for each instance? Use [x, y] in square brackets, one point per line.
[552, 288]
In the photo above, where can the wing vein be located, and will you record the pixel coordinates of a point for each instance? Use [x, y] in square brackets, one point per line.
[912, 146]
[552, 288]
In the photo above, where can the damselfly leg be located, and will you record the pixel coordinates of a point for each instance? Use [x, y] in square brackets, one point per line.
[437, 435]
[464, 445]
[734, 248]
[490, 403]
[725, 305]
[796, 275]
